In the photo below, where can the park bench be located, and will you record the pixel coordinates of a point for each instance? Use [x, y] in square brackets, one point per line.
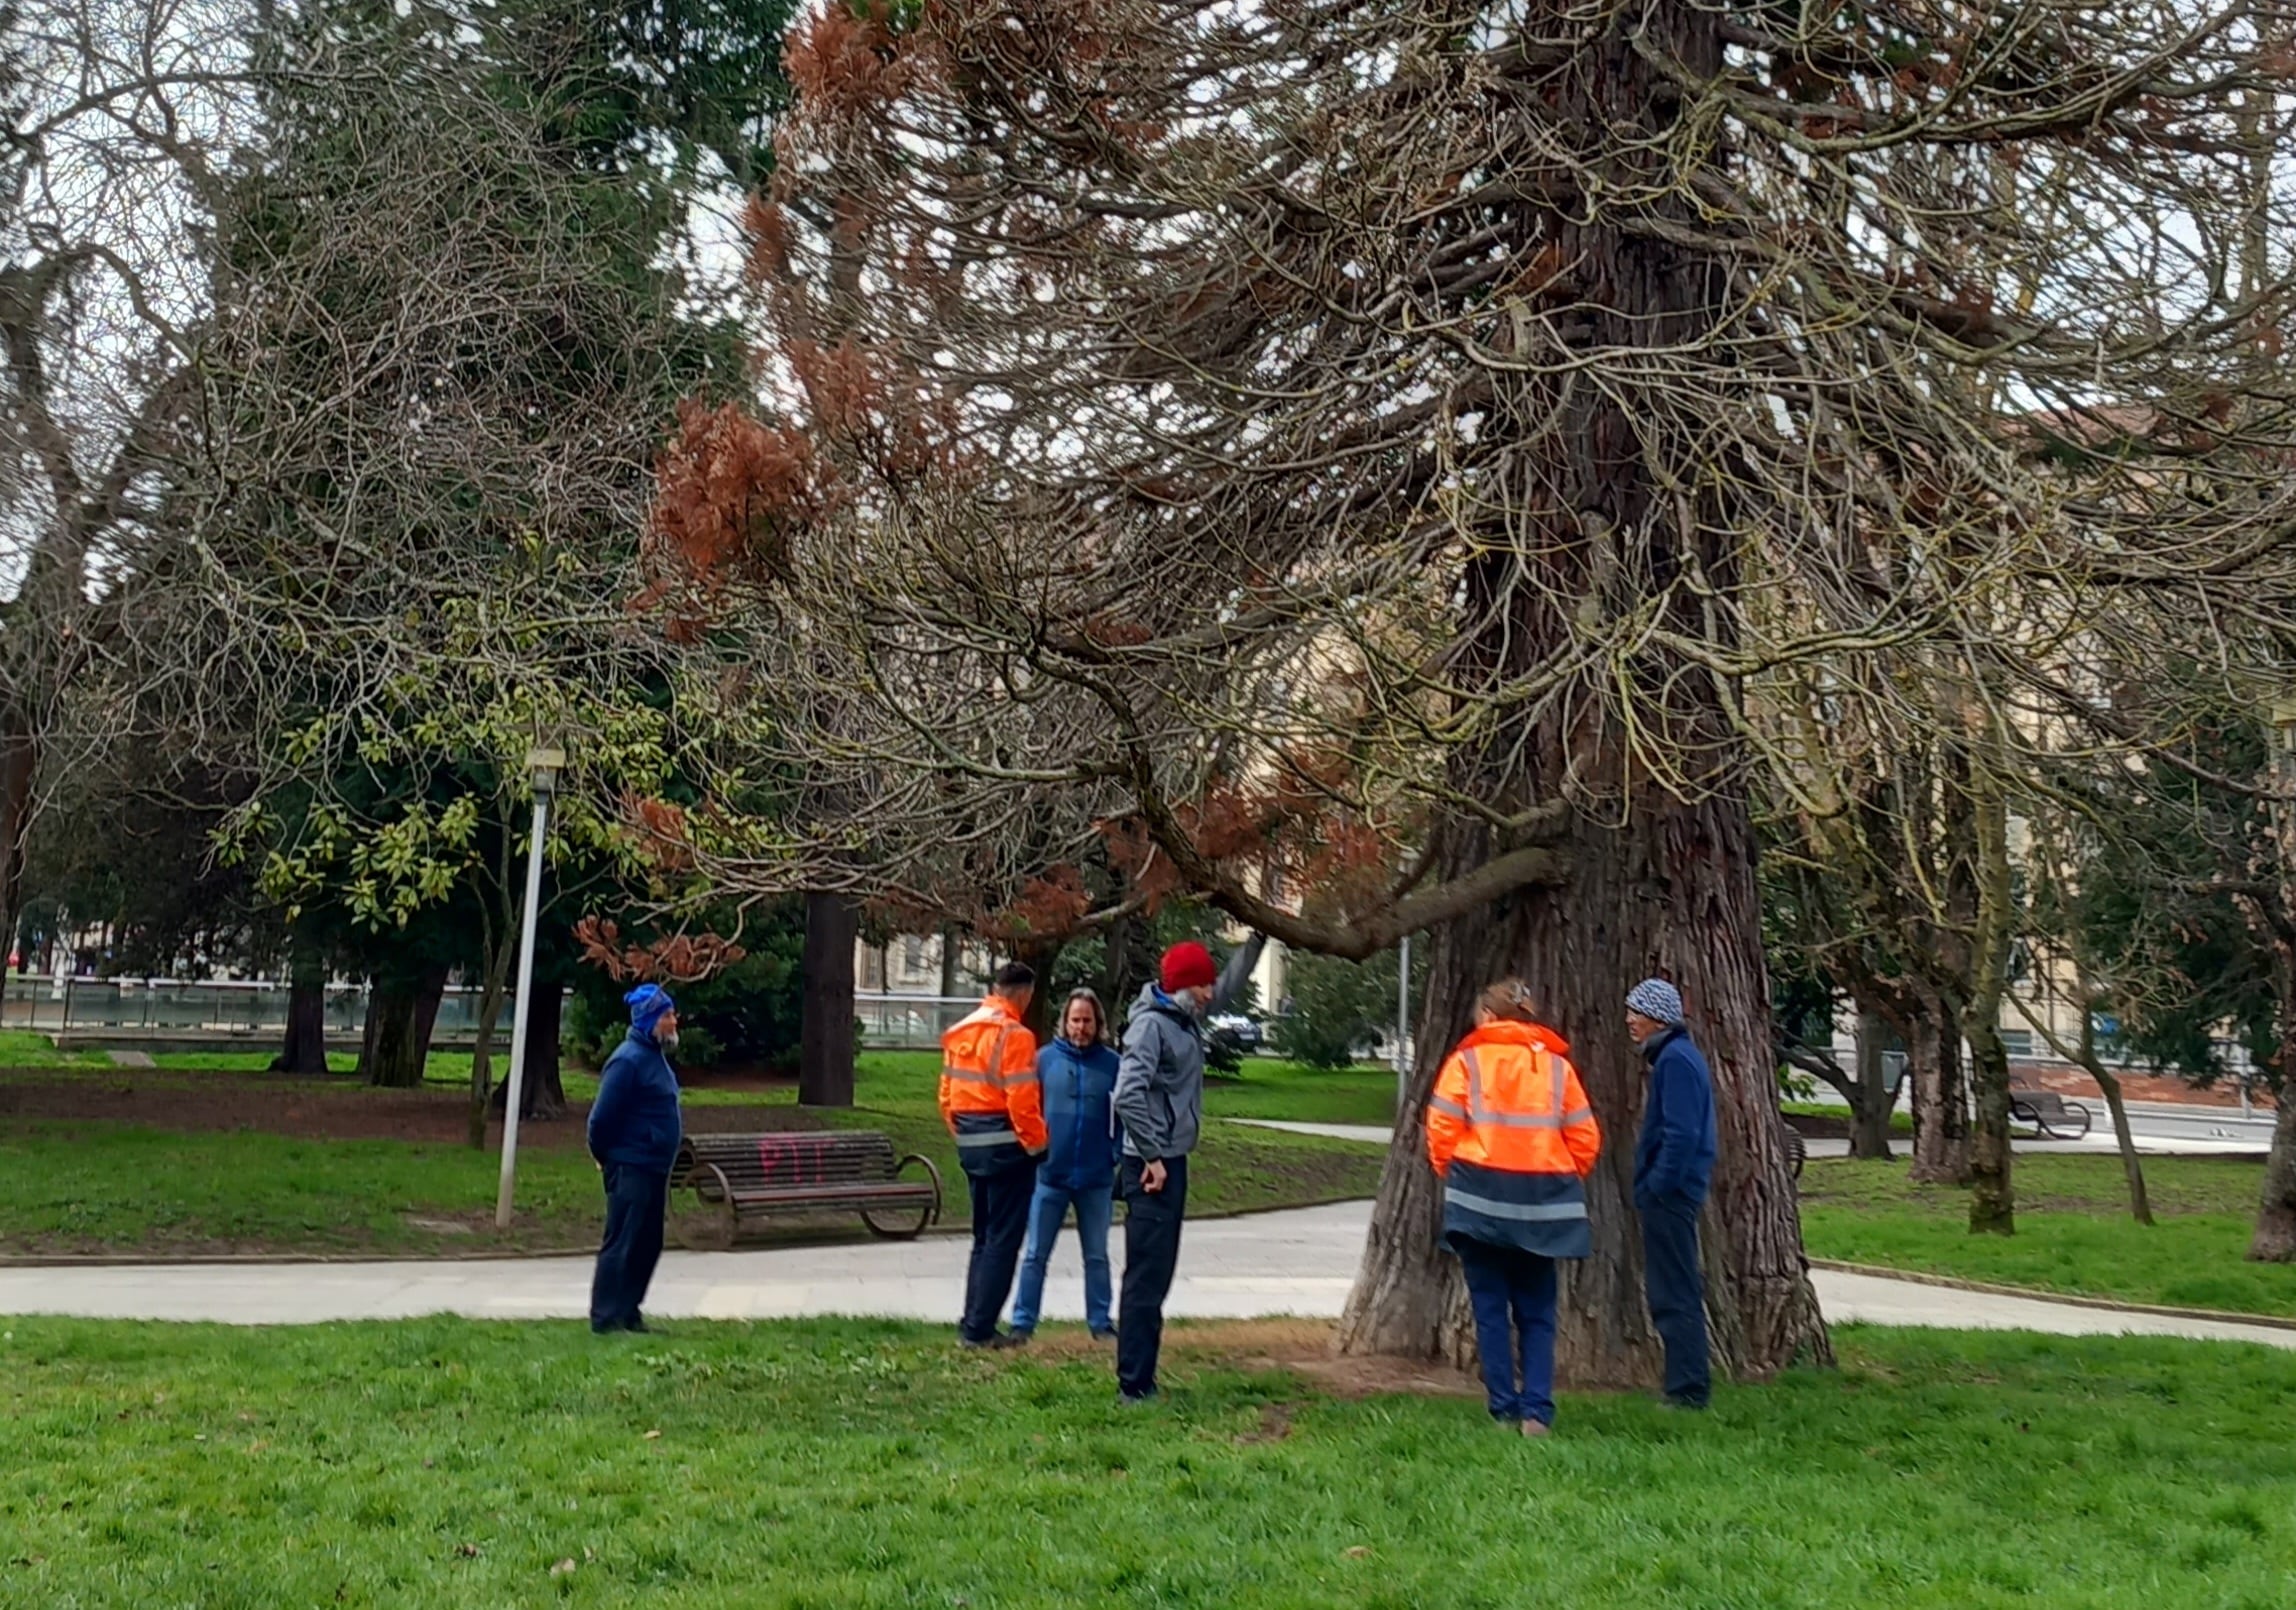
[751, 1178]
[2050, 1114]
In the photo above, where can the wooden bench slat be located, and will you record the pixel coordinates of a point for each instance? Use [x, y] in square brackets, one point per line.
[754, 1176]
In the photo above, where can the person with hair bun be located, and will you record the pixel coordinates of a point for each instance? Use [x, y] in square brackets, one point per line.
[1511, 1135]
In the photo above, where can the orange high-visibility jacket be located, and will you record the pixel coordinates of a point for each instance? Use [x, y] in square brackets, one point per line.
[990, 1097]
[1510, 1131]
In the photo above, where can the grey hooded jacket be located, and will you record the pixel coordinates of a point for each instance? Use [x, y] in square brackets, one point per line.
[1160, 1077]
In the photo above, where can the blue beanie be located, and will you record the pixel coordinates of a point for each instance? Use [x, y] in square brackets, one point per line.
[1657, 1000]
[647, 1003]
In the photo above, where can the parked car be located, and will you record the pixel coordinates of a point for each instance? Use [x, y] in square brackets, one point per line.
[1233, 1029]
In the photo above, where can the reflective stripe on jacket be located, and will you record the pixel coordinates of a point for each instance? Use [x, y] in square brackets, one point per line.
[1511, 1134]
[990, 1097]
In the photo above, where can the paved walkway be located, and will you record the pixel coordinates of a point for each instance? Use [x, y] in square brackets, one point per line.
[1299, 1262]
[2182, 1144]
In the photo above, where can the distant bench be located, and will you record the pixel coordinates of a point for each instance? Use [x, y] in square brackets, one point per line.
[751, 1178]
[2049, 1113]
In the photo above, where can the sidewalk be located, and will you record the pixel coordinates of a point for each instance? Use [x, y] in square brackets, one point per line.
[1294, 1263]
[2219, 1143]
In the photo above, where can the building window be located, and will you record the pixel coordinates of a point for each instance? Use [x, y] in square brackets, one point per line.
[2017, 1042]
[912, 956]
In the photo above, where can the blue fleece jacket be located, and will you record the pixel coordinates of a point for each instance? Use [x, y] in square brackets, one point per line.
[635, 1122]
[1078, 1082]
[1674, 1156]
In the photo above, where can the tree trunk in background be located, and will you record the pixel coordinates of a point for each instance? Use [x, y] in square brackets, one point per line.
[19, 771]
[494, 991]
[1992, 1194]
[542, 1095]
[387, 1056]
[1940, 1106]
[430, 993]
[825, 1048]
[2132, 1165]
[1869, 1119]
[400, 1012]
[1672, 892]
[952, 955]
[305, 1049]
[2275, 1238]
[1040, 957]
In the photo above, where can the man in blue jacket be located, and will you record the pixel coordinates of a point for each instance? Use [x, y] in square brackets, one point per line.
[1673, 1167]
[1078, 1074]
[635, 1128]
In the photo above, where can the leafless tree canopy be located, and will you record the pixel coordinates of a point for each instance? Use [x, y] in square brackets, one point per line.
[1299, 397]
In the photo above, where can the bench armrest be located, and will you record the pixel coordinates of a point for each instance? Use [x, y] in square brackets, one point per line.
[917, 1157]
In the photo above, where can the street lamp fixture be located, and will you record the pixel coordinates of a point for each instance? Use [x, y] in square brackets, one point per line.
[543, 764]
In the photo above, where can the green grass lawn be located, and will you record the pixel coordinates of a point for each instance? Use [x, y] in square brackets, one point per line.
[853, 1464]
[109, 1187]
[1900, 1123]
[96, 1185]
[23, 1048]
[2073, 1230]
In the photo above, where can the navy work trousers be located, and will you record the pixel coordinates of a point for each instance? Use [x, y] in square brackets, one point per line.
[636, 1200]
[1513, 1293]
[1677, 1295]
[1000, 1223]
[1151, 1254]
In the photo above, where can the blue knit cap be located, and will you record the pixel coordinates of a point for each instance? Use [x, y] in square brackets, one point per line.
[1656, 1000]
[647, 1003]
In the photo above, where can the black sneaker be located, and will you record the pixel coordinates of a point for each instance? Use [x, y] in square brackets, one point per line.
[1133, 1400]
[1107, 1333]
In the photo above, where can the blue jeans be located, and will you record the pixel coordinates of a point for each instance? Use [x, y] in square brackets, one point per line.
[1093, 1209]
[1514, 1298]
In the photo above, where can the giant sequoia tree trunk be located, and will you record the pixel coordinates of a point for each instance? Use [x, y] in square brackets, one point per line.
[1671, 893]
[825, 1042]
[1590, 531]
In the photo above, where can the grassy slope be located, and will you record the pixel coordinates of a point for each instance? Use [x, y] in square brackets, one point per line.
[441, 1463]
[2073, 1230]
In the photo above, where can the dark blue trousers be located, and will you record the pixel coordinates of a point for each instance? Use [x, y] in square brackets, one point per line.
[1513, 1293]
[1152, 1221]
[635, 1203]
[1677, 1295]
[1000, 1224]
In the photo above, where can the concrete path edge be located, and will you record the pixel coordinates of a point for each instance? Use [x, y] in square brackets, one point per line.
[2110, 1305]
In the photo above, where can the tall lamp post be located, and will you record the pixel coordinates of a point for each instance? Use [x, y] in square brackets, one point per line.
[543, 764]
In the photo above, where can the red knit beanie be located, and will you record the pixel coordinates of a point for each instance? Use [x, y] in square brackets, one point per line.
[1188, 965]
